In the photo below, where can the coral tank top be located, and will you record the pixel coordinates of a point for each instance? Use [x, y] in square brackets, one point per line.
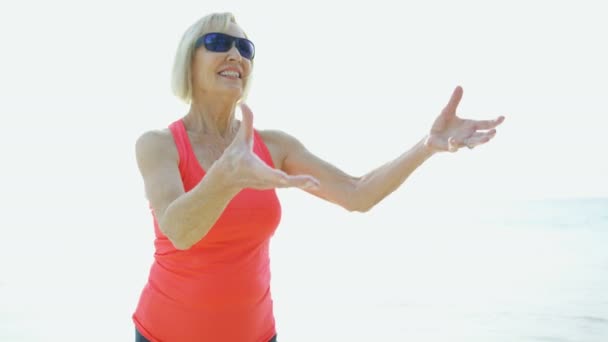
[219, 289]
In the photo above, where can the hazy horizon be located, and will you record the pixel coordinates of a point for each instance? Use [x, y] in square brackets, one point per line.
[357, 84]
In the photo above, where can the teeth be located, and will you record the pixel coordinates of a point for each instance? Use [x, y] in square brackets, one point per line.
[230, 73]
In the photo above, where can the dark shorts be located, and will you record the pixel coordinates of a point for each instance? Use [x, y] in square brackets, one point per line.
[139, 337]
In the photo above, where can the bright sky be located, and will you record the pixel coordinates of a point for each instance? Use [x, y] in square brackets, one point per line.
[358, 84]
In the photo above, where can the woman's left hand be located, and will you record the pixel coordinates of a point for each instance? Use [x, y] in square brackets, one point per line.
[449, 132]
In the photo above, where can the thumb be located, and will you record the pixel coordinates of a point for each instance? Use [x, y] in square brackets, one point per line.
[450, 108]
[246, 129]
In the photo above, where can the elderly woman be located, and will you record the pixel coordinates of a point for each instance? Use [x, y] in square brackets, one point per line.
[210, 181]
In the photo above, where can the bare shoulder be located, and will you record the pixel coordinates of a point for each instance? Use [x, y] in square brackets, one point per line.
[278, 137]
[280, 144]
[157, 160]
[155, 145]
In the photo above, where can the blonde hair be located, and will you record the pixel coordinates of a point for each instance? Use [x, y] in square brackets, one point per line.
[181, 78]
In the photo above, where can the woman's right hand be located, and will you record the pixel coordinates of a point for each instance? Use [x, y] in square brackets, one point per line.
[247, 170]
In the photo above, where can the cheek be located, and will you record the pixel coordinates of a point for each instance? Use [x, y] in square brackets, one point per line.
[199, 78]
[207, 79]
[203, 67]
[247, 70]
[206, 75]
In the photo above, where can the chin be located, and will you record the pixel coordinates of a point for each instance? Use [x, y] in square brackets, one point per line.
[235, 92]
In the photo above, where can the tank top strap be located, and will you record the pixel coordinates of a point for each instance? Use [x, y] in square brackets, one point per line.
[182, 142]
[186, 152]
[262, 149]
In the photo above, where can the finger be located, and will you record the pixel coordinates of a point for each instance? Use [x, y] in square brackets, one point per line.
[453, 144]
[450, 108]
[479, 138]
[303, 181]
[246, 129]
[488, 124]
[300, 181]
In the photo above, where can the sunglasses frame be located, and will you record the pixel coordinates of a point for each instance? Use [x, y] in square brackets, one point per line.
[234, 41]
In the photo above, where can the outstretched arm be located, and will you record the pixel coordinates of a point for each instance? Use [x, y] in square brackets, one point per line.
[448, 133]
[352, 193]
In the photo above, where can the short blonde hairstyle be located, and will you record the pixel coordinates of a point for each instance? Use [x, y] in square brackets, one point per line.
[181, 78]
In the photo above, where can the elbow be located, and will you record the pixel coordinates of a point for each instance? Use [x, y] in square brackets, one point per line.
[175, 235]
[176, 240]
[357, 200]
[359, 208]
[180, 245]
[179, 242]
[358, 203]
[366, 208]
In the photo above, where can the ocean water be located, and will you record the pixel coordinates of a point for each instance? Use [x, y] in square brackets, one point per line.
[492, 271]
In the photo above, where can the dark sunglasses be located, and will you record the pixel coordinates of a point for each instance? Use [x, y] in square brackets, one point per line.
[221, 42]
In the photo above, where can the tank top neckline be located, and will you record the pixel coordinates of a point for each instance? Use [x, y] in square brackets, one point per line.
[192, 156]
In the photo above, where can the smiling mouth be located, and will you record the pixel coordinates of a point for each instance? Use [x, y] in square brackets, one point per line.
[230, 74]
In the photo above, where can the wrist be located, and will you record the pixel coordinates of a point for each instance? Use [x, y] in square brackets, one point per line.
[222, 173]
[424, 148]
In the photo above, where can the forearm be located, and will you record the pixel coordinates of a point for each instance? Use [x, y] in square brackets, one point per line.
[379, 183]
[190, 217]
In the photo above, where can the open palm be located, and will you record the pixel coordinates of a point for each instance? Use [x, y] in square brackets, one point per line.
[449, 132]
[249, 171]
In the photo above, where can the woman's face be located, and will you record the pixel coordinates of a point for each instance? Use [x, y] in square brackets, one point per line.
[221, 73]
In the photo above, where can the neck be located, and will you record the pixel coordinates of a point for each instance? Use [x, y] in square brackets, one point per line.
[211, 117]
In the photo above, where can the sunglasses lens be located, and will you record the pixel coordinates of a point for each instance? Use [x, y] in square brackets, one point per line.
[246, 48]
[218, 42]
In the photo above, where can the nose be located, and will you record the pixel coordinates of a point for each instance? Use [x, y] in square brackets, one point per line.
[234, 54]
